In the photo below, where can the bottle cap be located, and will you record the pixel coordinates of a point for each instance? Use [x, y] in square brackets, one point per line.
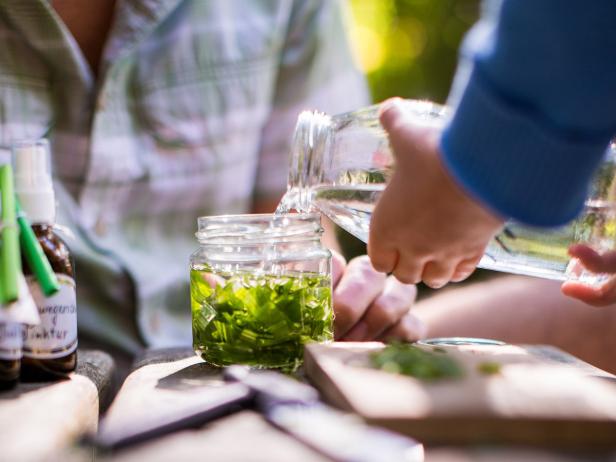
[33, 184]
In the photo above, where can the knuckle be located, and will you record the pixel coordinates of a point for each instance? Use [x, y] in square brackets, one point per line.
[398, 294]
[391, 312]
[344, 312]
[364, 268]
[362, 262]
[412, 328]
[405, 278]
[380, 266]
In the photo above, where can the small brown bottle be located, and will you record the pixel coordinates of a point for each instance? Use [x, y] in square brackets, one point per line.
[10, 354]
[49, 348]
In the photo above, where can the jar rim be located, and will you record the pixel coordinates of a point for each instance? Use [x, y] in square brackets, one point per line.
[257, 229]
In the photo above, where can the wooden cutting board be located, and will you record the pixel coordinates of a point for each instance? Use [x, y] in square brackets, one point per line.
[541, 395]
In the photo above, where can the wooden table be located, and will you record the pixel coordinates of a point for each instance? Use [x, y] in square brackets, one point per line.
[40, 420]
[166, 378]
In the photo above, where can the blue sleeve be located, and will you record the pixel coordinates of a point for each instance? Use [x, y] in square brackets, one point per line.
[536, 107]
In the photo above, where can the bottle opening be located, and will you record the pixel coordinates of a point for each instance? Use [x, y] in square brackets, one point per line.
[312, 139]
[258, 229]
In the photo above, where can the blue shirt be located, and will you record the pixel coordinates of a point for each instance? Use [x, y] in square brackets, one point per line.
[536, 107]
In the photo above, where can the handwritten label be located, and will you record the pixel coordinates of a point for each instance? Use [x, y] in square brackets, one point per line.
[56, 335]
[10, 341]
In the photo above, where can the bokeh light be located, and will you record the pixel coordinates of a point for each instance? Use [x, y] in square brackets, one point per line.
[409, 48]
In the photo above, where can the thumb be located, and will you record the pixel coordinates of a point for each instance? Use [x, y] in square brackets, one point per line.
[391, 113]
[406, 131]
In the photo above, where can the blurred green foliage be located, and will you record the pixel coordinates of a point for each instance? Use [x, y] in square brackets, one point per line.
[409, 48]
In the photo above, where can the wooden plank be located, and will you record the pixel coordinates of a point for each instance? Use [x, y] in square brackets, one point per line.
[38, 420]
[244, 437]
[159, 387]
[532, 400]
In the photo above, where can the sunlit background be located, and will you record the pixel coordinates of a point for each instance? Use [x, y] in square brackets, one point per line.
[409, 48]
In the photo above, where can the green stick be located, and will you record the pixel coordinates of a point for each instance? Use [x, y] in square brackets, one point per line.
[1, 283]
[10, 258]
[35, 256]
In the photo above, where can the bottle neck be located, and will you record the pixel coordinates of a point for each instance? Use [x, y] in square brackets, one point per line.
[42, 228]
[40, 208]
[312, 142]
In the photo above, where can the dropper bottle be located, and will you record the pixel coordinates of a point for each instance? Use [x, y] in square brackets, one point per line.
[50, 348]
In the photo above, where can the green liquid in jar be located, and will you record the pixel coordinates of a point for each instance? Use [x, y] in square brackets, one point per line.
[261, 320]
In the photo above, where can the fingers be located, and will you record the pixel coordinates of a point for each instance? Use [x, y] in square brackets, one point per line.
[408, 270]
[383, 259]
[465, 268]
[338, 265]
[603, 295]
[437, 273]
[408, 329]
[593, 261]
[358, 287]
[385, 311]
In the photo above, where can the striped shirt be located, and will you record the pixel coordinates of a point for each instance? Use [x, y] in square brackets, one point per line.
[191, 115]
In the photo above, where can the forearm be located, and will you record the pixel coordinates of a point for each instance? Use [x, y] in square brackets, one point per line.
[534, 117]
[523, 310]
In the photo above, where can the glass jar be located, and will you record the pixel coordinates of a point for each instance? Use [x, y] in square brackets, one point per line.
[341, 164]
[260, 289]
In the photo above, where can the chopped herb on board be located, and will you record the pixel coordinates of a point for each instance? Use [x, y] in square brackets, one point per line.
[406, 359]
[489, 368]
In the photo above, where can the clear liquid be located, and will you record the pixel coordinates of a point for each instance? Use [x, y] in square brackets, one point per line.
[349, 207]
[517, 249]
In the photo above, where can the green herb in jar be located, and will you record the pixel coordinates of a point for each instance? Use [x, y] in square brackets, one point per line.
[258, 319]
[405, 359]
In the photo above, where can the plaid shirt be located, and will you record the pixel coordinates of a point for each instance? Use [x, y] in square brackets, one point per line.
[192, 115]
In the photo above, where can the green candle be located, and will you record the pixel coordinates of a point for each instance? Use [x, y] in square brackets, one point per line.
[10, 259]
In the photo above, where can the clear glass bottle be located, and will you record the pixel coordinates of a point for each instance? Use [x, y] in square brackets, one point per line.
[260, 289]
[341, 164]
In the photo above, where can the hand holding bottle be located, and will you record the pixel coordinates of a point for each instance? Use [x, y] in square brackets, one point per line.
[424, 227]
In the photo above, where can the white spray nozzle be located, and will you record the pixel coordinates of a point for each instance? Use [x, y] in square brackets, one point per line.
[33, 183]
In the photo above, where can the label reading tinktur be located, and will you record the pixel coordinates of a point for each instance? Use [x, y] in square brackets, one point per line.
[10, 341]
[56, 335]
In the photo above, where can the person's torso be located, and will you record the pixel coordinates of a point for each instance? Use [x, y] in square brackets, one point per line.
[169, 132]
